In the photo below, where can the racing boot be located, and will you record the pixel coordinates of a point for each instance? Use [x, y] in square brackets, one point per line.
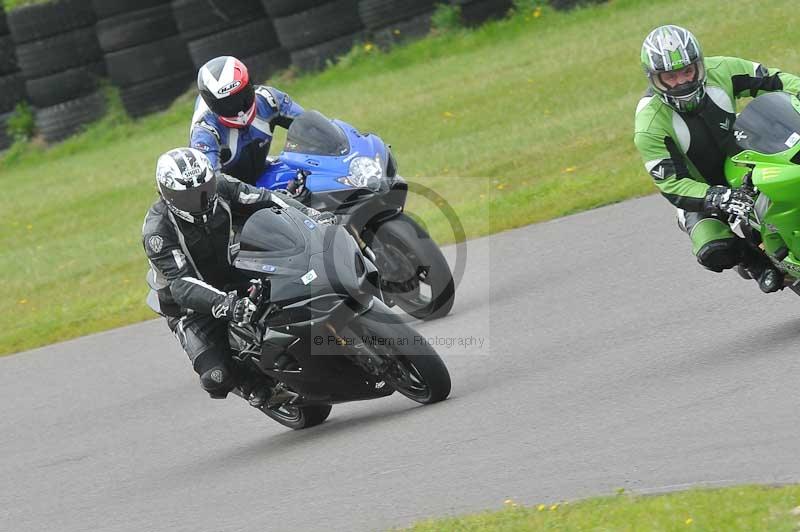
[742, 271]
[771, 280]
[755, 265]
[254, 390]
[258, 397]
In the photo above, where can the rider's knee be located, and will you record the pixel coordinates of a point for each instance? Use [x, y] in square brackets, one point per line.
[215, 375]
[217, 381]
[719, 255]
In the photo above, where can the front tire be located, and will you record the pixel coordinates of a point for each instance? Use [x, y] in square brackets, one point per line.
[421, 378]
[413, 367]
[413, 270]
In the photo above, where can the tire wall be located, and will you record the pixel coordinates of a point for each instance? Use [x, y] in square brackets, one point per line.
[12, 83]
[61, 62]
[315, 31]
[54, 53]
[389, 22]
[243, 29]
[476, 12]
[144, 54]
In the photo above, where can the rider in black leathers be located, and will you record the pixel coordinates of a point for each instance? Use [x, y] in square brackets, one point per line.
[189, 236]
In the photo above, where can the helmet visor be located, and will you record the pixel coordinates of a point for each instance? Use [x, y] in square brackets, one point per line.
[233, 104]
[682, 82]
[196, 201]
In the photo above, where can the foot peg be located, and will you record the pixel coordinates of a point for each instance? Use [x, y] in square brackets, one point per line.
[280, 396]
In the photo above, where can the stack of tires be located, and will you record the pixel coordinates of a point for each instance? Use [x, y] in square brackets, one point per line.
[476, 12]
[12, 83]
[61, 61]
[145, 57]
[315, 31]
[565, 5]
[393, 21]
[223, 27]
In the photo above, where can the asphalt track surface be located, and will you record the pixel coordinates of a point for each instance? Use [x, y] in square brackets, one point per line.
[611, 360]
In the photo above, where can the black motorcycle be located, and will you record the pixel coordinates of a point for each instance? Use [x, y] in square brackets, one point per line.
[321, 334]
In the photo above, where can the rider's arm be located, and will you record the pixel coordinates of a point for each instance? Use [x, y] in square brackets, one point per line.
[750, 78]
[206, 138]
[285, 109]
[245, 199]
[186, 286]
[667, 166]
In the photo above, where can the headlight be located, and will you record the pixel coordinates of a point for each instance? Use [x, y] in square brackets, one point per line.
[365, 172]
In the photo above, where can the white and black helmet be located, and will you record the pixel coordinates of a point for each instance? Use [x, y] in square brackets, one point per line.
[666, 50]
[188, 184]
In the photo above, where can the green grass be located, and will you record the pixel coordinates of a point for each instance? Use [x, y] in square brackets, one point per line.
[517, 122]
[10, 5]
[737, 509]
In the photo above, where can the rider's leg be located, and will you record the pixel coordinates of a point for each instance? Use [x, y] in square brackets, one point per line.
[718, 248]
[205, 341]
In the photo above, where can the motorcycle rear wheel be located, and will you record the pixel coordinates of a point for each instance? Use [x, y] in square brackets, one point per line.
[298, 417]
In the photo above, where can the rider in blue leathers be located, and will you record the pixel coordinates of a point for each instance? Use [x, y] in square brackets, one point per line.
[233, 119]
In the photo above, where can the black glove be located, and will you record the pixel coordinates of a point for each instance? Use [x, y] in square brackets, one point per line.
[297, 186]
[731, 201]
[237, 309]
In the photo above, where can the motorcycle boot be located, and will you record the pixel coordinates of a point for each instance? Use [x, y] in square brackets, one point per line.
[254, 390]
[757, 266]
[258, 397]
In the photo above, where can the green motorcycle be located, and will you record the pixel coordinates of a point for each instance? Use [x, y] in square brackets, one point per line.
[768, 130]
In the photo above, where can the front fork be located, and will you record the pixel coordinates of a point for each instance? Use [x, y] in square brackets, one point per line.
[365, 249]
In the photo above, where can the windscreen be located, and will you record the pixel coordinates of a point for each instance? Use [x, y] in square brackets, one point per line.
[314, 134]
[769, 125]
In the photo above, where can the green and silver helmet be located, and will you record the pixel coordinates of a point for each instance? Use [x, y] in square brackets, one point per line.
[673, 62]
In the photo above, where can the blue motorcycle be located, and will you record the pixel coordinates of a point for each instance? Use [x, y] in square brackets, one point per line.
[330, 166]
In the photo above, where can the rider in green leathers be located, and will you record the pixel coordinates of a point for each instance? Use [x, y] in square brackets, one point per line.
[684, 132]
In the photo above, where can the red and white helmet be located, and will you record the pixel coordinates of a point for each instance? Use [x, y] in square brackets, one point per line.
[224, 85]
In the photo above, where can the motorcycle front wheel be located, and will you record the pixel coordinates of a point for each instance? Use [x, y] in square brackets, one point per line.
[410, 366]
[414, 272]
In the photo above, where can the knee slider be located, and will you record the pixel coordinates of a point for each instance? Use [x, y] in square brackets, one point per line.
[719, 255]
[217, 381]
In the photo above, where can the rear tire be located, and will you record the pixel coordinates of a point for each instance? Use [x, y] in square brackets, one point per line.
[298, 417]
